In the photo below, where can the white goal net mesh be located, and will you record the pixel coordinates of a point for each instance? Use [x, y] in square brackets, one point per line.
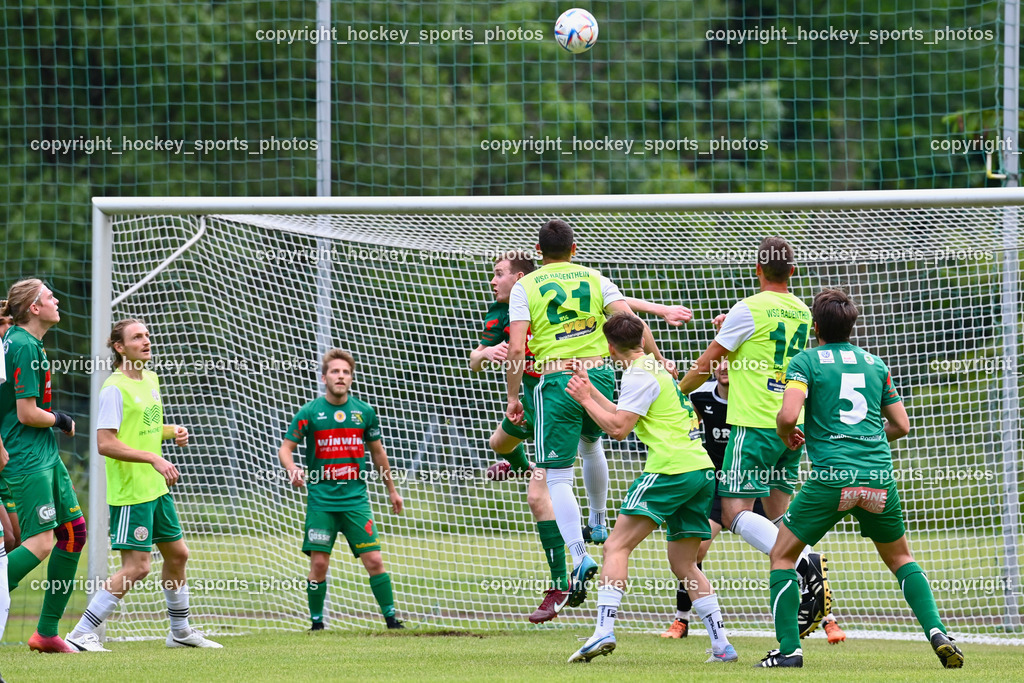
[239, 316]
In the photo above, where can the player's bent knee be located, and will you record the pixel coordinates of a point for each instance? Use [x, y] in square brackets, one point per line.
[71, 535]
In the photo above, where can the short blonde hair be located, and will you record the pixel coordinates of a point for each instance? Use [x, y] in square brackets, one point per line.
[335, 354]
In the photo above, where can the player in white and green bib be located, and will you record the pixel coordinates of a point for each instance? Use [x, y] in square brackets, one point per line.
[336, 430]
[758, 338]
[563, 306]
[676, 488]
[847, 393]
[130, 432]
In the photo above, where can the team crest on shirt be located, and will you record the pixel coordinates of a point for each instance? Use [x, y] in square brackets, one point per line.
[825, 356]
[339, 415]
[357, 416]
[869, 359]
[848, 357]
[141, 533]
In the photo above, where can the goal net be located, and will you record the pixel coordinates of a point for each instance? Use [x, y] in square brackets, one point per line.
[243, 296]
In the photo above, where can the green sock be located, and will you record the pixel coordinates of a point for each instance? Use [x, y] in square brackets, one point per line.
[316, 593]
[20, 562]
[60, 575]
[918, 593]
[381, 587]
[517, 458]
[554, 551]
[785, 604]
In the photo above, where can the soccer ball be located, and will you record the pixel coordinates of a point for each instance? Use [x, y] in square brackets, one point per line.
[576, 30]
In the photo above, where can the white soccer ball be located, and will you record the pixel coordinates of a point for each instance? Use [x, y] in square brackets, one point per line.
[576, 30]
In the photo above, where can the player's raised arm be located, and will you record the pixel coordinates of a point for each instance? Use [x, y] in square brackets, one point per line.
[649, 345]
[673, 315]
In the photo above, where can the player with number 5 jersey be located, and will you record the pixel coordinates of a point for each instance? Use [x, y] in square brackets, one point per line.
[846, 391]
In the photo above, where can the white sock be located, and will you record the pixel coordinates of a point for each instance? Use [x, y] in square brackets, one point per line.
[567, 511]
[608, 600]
[685, 616]
[99, 610]
[177, 609]
[709, 612]
[595, 479]
[756, 530]
[5, 595]
[827, 618]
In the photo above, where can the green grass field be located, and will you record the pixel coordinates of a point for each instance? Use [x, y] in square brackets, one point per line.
[460, 655]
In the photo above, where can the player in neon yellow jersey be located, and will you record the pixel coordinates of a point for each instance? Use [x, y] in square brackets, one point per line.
[507, 439]
[676, 488]
[130, 431]
[759, 336]
[847, 393]
[563, 305]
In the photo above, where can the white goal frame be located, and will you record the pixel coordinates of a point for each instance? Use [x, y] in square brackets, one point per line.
[1010, 198]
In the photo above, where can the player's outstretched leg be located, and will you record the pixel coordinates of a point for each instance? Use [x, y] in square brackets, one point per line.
[918, 594]
[629, 531]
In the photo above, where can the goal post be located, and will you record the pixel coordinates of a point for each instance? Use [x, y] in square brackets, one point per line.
[232, 290]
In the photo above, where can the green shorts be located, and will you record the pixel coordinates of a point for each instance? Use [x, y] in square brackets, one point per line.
[7, 499]
[757, 461]
[525, 430]
[818, 507]
[323, 526]
[44, 500]
[561, 421]
[139, 526]
[680, 501]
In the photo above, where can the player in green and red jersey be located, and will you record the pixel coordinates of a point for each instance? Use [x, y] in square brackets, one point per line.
[36, 478]
[335, 429]
[8, 510]
[846, 391]
[759, 336]
[507, 439]
[130, 431]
